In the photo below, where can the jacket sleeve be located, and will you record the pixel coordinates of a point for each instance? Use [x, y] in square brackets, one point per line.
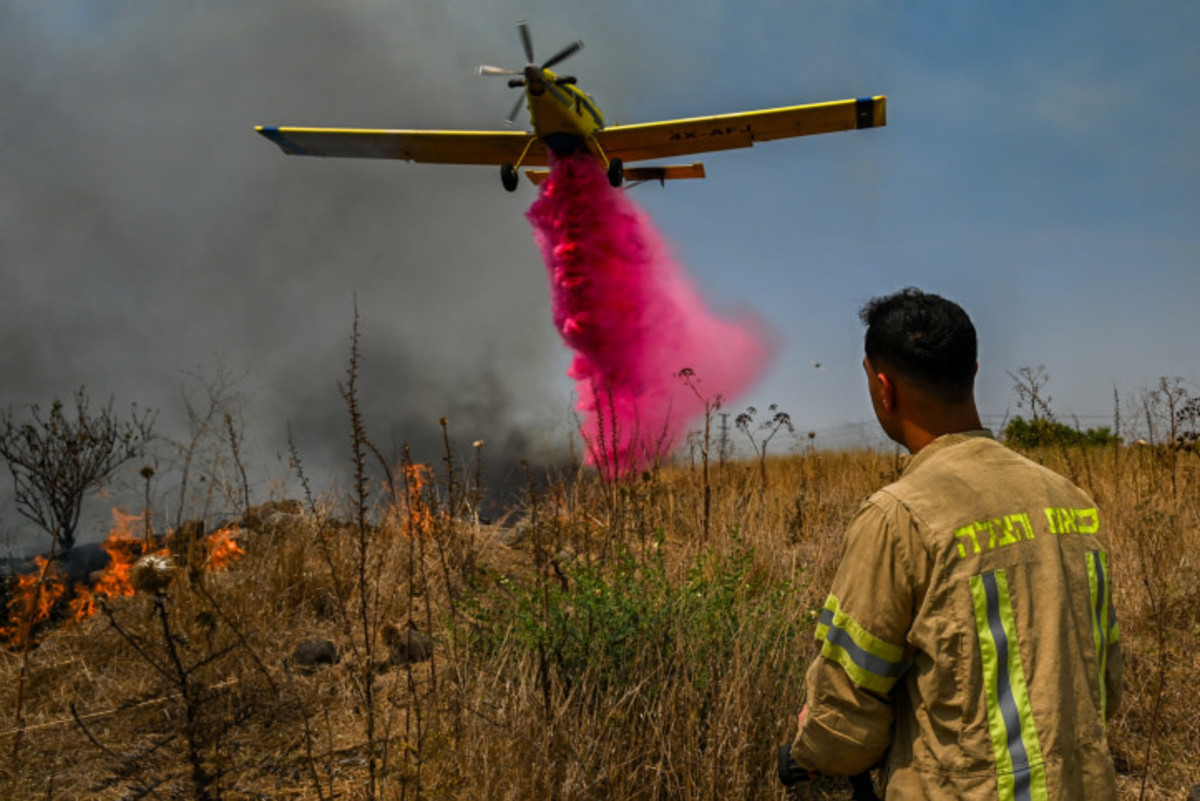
[862, 632]
[1114, 680]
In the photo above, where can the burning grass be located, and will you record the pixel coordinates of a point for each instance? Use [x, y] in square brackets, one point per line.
[45, 594]
[598, 649]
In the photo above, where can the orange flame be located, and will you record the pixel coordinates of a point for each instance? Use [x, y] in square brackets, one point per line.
[222, 549]
[420, 516]
[123, 549]
[36, 593]
[125, 523]
[33, 600]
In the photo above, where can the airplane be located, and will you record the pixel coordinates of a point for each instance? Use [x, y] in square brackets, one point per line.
[566, 120]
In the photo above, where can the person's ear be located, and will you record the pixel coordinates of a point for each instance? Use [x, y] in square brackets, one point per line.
[887, 395]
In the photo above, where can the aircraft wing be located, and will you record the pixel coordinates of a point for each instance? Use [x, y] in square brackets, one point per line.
[434, 147]
[726, 131]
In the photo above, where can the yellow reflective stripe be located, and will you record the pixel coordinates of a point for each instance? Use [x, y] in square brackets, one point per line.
[1104, 619]
[869, 661]
[1020, 774]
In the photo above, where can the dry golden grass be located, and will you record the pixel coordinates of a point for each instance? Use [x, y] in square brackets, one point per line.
[599, 649]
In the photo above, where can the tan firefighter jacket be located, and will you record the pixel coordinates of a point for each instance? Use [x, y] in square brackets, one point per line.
[969, 635]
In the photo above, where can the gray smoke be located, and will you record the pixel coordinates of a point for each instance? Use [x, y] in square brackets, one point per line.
[151, 241]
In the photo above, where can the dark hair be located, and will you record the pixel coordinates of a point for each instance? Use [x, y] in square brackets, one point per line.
[925, 338]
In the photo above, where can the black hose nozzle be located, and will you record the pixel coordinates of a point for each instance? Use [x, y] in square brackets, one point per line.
[791, 774]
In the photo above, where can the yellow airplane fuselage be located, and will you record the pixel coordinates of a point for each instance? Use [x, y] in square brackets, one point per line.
[562, 115]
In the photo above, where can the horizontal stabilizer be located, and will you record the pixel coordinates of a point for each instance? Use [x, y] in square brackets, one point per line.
[666, 172]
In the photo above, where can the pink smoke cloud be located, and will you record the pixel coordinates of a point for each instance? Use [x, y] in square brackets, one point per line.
[634, 320]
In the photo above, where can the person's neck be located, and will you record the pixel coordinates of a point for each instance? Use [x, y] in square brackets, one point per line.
[920, 430]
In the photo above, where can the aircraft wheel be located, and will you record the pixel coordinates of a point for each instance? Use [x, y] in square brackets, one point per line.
[616, 173]
[509, 177]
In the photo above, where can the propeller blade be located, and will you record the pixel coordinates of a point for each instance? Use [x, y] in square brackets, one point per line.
[485, 69]
[512, 115]
[566, 52]
[523, 27]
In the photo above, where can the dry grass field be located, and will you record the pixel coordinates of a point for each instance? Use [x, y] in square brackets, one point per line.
[596, 645]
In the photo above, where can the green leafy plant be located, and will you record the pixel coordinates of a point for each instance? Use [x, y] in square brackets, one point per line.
[1041, 431]
[605, 624]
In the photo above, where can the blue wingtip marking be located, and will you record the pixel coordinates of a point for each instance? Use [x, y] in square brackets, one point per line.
[291, 148]
[864, 109]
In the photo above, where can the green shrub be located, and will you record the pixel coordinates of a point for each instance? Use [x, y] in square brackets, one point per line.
[607, 625]
[1041, 431]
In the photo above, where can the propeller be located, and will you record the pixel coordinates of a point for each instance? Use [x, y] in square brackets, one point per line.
[484, 69]
[523, 27]
[516, 109]
[534, 75]
[564, 54]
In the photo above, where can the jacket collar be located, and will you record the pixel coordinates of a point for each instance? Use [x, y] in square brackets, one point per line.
[942, 443]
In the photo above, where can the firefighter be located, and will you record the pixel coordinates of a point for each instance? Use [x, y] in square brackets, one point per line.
[969, 640]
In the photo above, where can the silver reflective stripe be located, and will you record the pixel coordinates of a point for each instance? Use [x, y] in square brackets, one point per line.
[1020, 774]
[860, 656]
[1004, 696]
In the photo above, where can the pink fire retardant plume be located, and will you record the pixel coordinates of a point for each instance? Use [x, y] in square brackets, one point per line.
[634, 320]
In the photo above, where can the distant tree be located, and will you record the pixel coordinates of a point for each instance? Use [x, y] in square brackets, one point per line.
[1102, 435]
[1187, 421]
[1030, 386]
[58, 459]
[1042, 431]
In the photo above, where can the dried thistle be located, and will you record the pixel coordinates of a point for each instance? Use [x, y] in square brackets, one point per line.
[152, 573]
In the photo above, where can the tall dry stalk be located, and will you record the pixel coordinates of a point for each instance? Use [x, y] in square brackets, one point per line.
[711, 406]
[362, 536]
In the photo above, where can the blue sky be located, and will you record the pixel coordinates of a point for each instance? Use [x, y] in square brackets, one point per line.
[1039, 166]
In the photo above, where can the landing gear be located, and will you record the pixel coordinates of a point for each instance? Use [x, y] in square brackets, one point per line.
[509, 177]
[616, 173]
